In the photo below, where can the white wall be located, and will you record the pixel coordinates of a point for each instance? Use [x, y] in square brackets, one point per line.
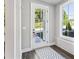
[9, 29]
[26, 22]
[63, 43]
[12, 29]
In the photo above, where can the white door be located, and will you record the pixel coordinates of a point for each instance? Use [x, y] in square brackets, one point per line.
[39, 25]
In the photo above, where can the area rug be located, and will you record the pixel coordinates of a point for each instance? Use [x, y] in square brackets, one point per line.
[48, 53]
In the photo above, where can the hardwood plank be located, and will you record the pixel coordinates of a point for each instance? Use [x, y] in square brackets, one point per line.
[62, 52]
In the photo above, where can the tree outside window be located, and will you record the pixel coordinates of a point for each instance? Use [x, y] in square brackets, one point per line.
[68, 20]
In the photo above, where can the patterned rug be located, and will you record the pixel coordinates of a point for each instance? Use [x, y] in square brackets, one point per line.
[48, 53]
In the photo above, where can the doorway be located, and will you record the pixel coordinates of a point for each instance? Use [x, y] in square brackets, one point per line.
[39, 27]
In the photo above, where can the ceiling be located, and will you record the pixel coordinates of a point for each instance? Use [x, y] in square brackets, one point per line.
[53, 1]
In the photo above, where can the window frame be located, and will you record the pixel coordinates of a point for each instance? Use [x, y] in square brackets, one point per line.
[61, 20]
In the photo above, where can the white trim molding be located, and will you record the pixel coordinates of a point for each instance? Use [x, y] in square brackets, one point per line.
[17, 29]
[61, 20]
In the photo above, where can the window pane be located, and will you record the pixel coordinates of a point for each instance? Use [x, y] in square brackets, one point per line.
[68, 20]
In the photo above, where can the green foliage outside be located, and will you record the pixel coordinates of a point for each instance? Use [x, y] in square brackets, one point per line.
[67, 22]
[68, 26]
[65, 18]
[39, 25]
[38, 18]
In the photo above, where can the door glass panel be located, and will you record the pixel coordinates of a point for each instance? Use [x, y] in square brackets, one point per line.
[40, 22]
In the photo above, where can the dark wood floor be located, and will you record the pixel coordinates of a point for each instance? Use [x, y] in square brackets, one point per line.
[57, 49]
[63, 52]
